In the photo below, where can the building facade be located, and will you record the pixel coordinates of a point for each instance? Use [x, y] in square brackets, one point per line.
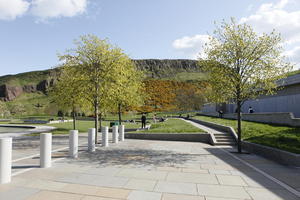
[287, 99]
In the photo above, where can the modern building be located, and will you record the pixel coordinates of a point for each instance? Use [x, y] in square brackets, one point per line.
[287, 99]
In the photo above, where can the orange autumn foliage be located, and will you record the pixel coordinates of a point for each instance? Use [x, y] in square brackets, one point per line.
[168, 95]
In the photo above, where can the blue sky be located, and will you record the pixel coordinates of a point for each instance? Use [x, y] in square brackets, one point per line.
[32, 32]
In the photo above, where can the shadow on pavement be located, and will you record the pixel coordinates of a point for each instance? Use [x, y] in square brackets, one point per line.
[255, 179]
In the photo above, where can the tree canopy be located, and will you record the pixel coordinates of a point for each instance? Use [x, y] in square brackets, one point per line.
[243, 64]
[104, 74]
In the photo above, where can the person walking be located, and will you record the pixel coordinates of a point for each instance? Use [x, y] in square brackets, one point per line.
[143, 119]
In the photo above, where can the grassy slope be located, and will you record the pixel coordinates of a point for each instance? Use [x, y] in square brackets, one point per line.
[26, 78]
[82, 126]
[170, 126]
[281, 137]
[173, 126]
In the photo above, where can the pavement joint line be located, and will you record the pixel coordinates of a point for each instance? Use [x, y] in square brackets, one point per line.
[21, 171]
[287, 187]
[31, 168]
[55, 150]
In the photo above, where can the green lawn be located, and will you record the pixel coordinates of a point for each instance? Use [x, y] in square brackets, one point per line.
[281, 137]
[82, 126]
[173, 126]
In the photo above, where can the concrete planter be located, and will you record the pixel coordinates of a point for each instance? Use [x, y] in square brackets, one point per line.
[190, 137]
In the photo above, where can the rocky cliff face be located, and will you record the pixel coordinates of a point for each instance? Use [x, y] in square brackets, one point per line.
[9, 93]
[154, 68]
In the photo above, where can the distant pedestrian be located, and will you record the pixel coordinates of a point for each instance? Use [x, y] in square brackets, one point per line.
[250, 110]
[220, 113]
[143, 121]
[188, 116]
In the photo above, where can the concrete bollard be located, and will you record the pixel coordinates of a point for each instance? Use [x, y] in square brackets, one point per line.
[121, 132]
[73, 143]
[91, 139]
[45, 150]
[104, 131]
[5, 160]
[115, 134]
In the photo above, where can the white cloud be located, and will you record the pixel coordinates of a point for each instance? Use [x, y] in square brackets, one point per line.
[284, 17]
[45, 9]
[191, 46]
[10, 9]
[293, 55]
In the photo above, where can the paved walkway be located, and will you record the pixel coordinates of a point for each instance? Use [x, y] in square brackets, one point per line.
[285, 174]
[148, 170]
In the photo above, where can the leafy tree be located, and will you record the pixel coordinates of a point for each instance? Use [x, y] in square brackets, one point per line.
[160, 96]
[243, 65]
[96, 61]
[3, 109]
[189, 96]
[127, 86]
[17, 109]
[68, 92]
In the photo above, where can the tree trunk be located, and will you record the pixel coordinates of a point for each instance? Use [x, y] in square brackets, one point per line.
[239, 130]
[96, 119]
[100, 121]
[74, 119]
[119, 110]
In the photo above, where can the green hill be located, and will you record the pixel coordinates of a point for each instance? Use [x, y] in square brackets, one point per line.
[26, 92]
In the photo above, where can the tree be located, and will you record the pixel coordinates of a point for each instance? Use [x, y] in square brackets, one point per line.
[17, 109]
[96, 61]
[160, 96]
[3, 109]
[127, 87]
[68, 92]
[189, 96]
[243, 65]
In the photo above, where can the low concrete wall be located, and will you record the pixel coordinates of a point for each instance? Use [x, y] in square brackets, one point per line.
[190, 137]
[218, 127]
[287, 119]
[34, 121]
[277, 155]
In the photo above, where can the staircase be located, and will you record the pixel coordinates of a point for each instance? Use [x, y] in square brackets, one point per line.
[224, 138]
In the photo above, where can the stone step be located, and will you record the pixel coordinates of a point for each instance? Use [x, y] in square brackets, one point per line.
[226, 143]
[223, 136]
[226, 140]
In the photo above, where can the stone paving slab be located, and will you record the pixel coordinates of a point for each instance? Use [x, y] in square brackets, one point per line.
[223, 191]
[138, 195]
[141, 184]
[170, 196]
[192, 178]
[176, 187]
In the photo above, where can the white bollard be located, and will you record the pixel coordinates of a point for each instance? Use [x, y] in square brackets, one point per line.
[104, 131]
[5, 160]
[45, 150]
[91, 139]
[115, 134]
[73, 143]
[121, 132]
